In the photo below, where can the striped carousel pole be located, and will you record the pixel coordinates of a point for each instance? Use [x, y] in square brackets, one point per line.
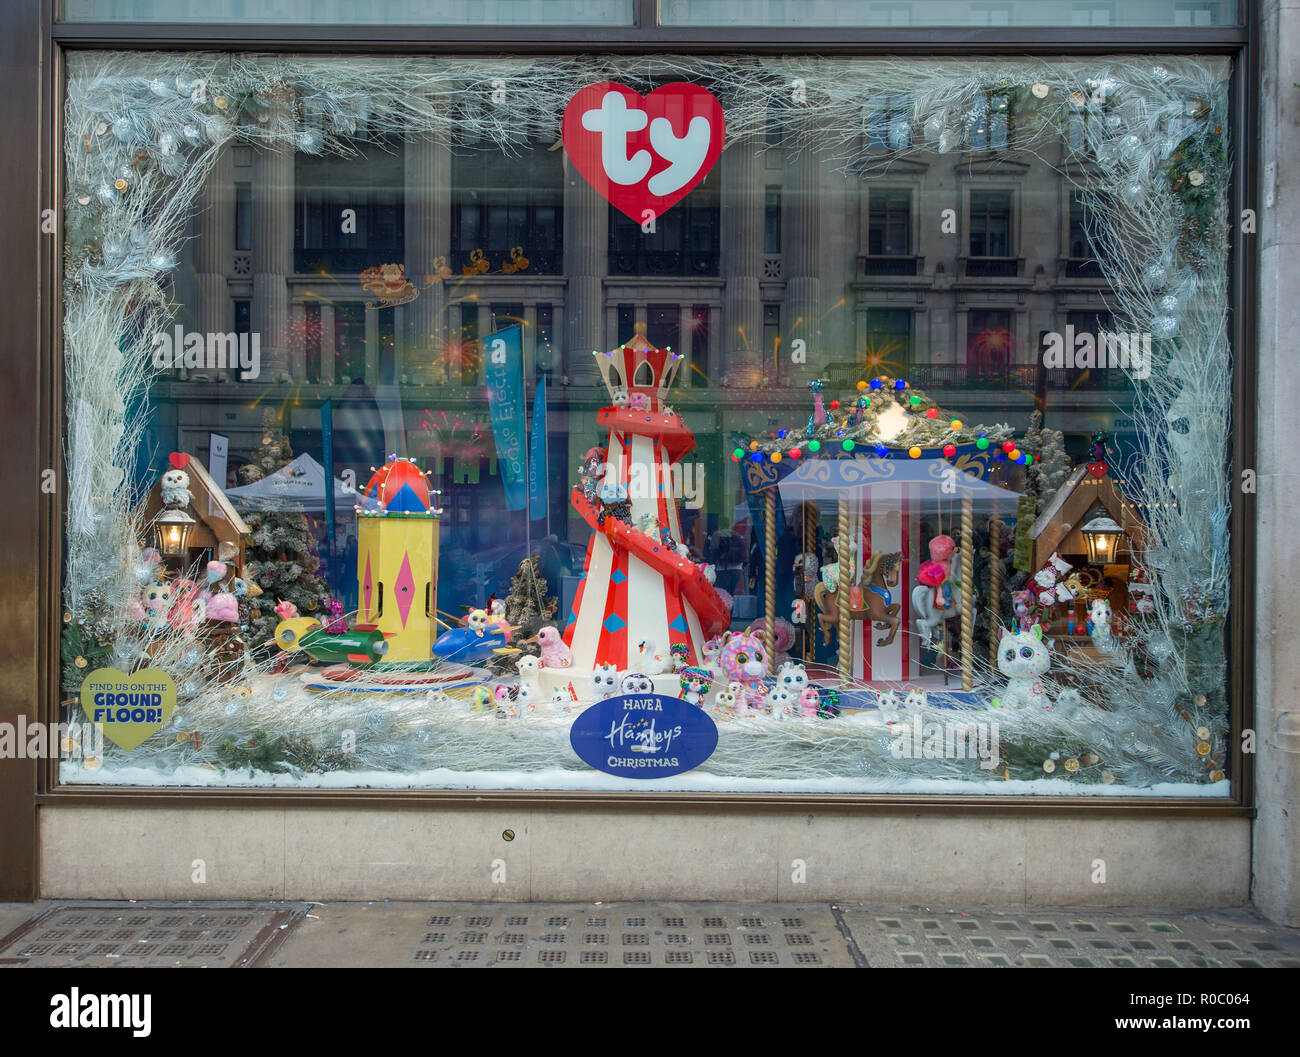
[842, 598]
[967, 594]
[995, 585]
[769, 577]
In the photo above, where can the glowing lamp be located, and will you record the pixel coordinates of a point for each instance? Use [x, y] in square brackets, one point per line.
[1101, 536]
[950, 450]
[172, 529]
[814, 445]
[982, 443]
[847, 445]
[914, 452]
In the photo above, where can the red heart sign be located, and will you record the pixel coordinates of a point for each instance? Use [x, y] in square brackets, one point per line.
[643, 153]
[179, 460]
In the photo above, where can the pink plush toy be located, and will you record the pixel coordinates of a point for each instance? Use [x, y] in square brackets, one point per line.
[286, 610]
[223, 607]
[555, 654]
[810, 699]
[638, 402]
[743, 659]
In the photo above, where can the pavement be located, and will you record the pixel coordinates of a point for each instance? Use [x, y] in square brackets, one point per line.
[285, 935]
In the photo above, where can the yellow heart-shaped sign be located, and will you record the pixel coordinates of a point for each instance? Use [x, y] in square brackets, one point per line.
[131, 708]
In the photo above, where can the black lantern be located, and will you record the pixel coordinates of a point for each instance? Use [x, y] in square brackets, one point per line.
[172, 530]
[1101, 535]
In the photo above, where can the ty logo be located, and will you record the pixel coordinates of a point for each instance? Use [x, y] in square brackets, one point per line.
[643, 153]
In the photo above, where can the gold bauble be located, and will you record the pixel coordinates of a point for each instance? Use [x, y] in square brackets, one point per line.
[1202, 748]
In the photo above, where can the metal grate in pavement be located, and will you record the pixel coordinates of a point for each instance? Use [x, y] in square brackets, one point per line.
[632, 935]
[167, 935]
[1090, 938]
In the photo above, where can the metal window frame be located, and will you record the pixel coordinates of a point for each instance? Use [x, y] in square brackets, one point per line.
[32, 48]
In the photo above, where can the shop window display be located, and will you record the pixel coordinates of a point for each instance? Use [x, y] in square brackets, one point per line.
[875, 411]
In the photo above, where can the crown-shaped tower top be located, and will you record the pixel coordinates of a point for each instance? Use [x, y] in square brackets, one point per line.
[638, 367]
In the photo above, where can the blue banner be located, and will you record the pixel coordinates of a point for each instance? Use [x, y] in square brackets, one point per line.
[538, 488]
[327, 458]
[503, 356]
[643, 736]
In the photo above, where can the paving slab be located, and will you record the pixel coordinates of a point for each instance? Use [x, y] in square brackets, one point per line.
[569, 935]
[926, 937]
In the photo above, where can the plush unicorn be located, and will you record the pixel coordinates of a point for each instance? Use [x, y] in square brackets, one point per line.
[1024, 659]
[604, 682]
[810, 702]
[915, 699]
[1100, 616]
[743, 659]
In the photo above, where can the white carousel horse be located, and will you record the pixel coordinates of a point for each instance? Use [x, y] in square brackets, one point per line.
[928, 617]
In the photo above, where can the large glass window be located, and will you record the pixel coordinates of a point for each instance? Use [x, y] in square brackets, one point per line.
[873, 445]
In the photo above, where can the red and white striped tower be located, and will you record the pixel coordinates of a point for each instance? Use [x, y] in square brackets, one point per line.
[634, 588]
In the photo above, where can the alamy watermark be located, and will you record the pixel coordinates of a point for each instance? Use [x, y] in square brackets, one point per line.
[931, 740]
[39, 741]
[1077, 350]
[195, 351]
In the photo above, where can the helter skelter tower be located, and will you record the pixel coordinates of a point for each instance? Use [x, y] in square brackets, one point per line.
[634, 587]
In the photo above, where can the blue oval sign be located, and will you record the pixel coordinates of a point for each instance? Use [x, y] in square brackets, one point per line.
[644, 736]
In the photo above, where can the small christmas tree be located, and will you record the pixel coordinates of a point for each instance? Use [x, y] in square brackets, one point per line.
[528, 607]
[1051, 466]
[282, 560]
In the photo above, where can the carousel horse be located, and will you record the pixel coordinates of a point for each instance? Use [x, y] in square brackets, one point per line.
[880, 575]
[928, 616]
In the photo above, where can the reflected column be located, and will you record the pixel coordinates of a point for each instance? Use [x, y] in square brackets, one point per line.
[214, 251]
[742, 262]
[428, 238]
[273, 171]
[586, 262]
[801, 203]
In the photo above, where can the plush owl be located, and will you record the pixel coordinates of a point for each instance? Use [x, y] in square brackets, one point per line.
[175, 488]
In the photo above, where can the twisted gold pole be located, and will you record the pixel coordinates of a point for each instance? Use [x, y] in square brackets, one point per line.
[842, 598]
[769, 577]
[809, 533]
[967, 594]
[994, 601]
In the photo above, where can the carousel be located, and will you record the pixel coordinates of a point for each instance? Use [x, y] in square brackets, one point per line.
[888, 502]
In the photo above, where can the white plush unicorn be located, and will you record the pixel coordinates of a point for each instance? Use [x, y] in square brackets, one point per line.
[1024, 659]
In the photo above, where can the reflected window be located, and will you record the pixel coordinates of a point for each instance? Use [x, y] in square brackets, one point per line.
[684, 241]
[889, 121]
[990, 223]
[507, 213]
[990, 122]
[348, 213]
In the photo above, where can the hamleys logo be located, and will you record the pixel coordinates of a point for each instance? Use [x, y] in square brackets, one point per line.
[644, 154]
